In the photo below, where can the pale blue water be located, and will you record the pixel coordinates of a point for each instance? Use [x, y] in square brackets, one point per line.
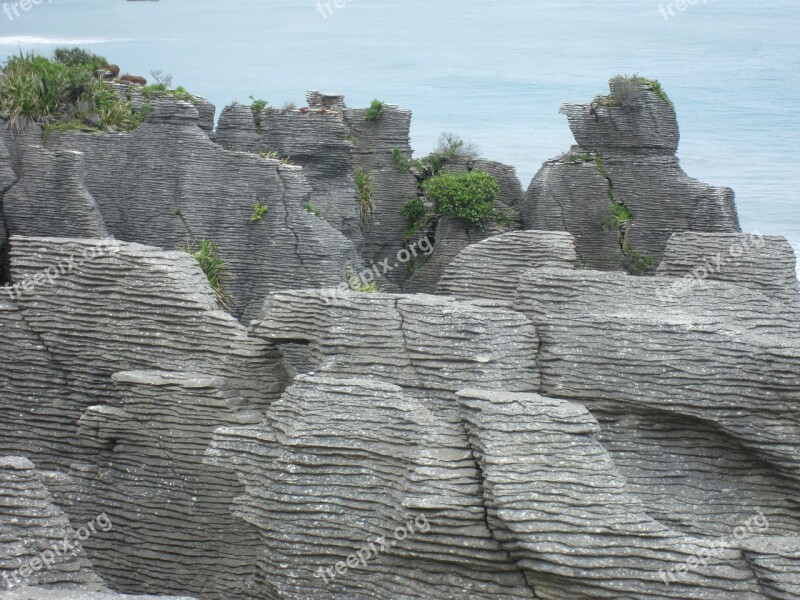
[493, 71]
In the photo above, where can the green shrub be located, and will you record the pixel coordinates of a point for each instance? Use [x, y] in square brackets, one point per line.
[36, 90]
[207, 256]
[470, 197]
[78, 57]
[259, 210]
[403, 164]
[375, 110]
[366, 204]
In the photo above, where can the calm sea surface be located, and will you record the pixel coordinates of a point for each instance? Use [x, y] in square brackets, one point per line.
[493, 71]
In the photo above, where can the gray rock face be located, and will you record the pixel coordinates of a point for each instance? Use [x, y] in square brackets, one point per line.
[718, 341]
[168, 185]
[630, 154]
[40, 419]
[776, 562]
[77, 593]
[493, 267]
[391, 187]
[33, 530]
[374, 463]
[317, 141]
[152, 484]
[558, 505]
[762, 263]
[50, 199]
[140, 445]
[430, 344]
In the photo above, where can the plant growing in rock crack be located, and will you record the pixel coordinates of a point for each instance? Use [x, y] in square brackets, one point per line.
[207, 256]
[375, 110]
[618, 217]
[259, 210]
[366, 203]
[310, 208]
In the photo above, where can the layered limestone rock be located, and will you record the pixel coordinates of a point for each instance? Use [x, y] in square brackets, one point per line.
[763, 263]
[391, 187]
[493, 267]
[776, 562]
[174, 527]
[38, 416]
[315, 139]
[77, 593]
[38, 546]
[100, 307]
[168, 185]
[390, 497]
[558, 505]
[430, 344]
[626, 154]
[50, 198]
[706, 356]
[452, 237]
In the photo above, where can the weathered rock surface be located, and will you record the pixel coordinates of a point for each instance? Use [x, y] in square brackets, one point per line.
[630, 154]
[493, 267]
[168, 185]
[127, 307]
[50, 198]
[776, 562]
[391, 187]
[33, 529]
[430, 344]
[558, 505]
[763, 263]
[77, 593]
[174, 527]
[368, 462]
[317, 141]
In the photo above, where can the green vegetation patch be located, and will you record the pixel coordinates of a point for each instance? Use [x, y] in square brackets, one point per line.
[469, 197]
[366, 203]
[63, 93]
[207, 256]
[375, 110]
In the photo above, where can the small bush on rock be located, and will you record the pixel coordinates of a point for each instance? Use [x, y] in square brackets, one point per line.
[470, 197]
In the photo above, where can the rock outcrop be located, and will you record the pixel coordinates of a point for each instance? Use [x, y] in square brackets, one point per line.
[317, 141]
[38, 546]
[168, 185]
[763, 263]
[625, 154]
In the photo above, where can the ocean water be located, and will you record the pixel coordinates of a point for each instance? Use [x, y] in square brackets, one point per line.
[493, 71]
